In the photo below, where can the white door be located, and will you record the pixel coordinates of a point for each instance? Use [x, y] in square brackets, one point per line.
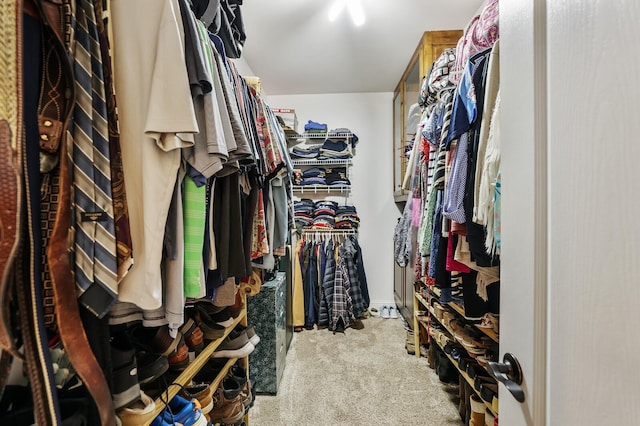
[570, 288]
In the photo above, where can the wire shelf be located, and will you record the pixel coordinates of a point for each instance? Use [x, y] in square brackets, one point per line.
[319, 162]
[321, 188]
[328, 135]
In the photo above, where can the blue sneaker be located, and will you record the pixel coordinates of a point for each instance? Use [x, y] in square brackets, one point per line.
[183, 411]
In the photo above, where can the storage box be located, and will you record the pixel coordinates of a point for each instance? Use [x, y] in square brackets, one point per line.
[266, 311]
[289, 117]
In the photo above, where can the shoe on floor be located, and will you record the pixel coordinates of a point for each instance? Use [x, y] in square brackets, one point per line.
[393, 312]
[384, 312]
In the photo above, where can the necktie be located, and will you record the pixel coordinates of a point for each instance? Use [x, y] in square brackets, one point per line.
[95, 242]
[120, 205]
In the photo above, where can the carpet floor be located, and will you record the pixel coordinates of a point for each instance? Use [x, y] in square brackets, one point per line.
[359, 377]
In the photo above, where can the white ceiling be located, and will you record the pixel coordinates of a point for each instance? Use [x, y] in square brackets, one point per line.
[294, 49]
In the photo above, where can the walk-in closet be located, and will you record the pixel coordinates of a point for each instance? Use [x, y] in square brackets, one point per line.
[318, 212]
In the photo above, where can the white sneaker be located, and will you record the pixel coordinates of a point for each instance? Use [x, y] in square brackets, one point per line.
[393, 312]
[384, 312]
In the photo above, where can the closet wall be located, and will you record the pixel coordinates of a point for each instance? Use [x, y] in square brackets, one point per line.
[368, 116]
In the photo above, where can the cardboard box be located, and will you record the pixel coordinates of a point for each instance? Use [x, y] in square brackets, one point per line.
[289, 117]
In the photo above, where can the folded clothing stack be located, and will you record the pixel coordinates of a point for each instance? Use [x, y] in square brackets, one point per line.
[303, 151]
[324, 214]
[314, 176]
[336, 176]
[303, 212]
[347, 218]
[335, 149]
[314, 127]
[344, 130]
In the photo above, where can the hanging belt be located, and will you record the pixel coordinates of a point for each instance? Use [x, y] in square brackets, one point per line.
[10, 156]
[70, 326]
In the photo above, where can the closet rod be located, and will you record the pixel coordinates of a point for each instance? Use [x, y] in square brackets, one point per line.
[330, 231]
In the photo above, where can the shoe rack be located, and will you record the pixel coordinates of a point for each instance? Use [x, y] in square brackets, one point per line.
[199, 362]
[436, 328]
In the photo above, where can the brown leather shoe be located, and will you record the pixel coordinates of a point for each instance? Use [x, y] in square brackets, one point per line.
[239, 373]
[203, 393]
[193, 336]
[158, 340]
[210, 329]
[226, 411]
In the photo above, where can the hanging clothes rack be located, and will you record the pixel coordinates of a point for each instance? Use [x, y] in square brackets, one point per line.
[324, 234]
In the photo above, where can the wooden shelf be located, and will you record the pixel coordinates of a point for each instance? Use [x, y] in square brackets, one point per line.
[490, 333]
[467, 378]
[194, 367]
[423, 322]
[457, 307]
[422, 300]
[445, 326]
[460, 310]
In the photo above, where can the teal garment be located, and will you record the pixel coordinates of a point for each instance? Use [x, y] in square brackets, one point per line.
[497, 216]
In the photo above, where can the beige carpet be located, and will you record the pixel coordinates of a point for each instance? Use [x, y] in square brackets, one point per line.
[360, 377]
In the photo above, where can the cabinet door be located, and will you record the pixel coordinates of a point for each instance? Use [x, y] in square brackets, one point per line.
[398, 143]
[434, 43]
[405, 99]
[398, 285]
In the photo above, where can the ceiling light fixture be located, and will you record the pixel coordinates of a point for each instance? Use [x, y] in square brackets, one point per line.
[355, 10]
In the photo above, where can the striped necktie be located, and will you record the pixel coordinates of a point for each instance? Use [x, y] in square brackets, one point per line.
[94, 230]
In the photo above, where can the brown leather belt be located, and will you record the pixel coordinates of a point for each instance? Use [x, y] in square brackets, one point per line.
[72, 333]
[70, 326]
[11, 204]
[10, 156]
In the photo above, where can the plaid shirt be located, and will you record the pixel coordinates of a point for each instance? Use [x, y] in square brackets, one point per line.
[326, 296]
[348, 252]
[342, 302]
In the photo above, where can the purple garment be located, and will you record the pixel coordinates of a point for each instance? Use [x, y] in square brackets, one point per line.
[416, 212]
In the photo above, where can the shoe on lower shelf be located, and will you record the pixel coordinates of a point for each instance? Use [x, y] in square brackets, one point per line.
[138, 413]
[239, 373]
[226, 410]
[251, 333]
[202, 392]
[235, 345]
[126, 387]
[186, 412]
